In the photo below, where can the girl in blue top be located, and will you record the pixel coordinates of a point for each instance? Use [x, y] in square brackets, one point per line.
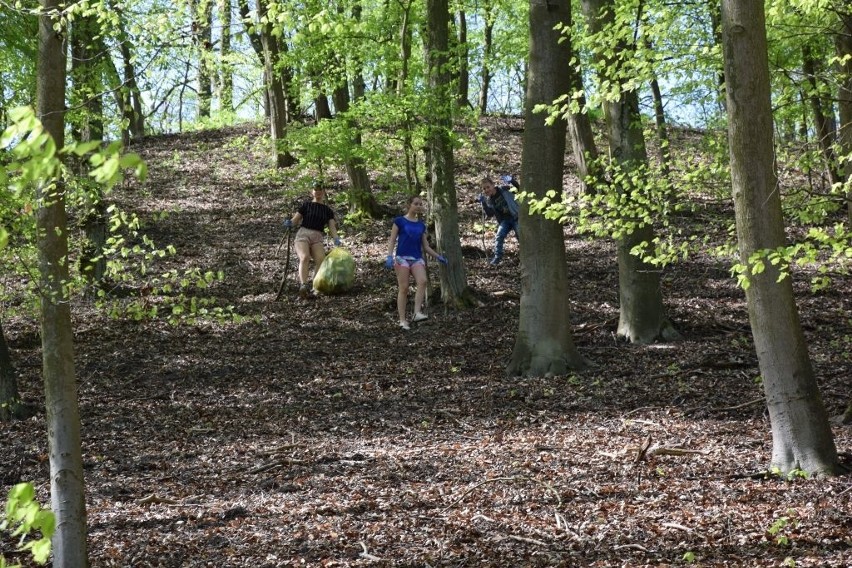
[410, 232]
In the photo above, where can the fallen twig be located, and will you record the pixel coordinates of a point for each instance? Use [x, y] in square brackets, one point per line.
[633, 546]
[688, 411]
[675, 452]
[154, 499]
[366, 554]
[277, 463]
[677, 526]
[738, 406]
[527, 539]
[643, 450]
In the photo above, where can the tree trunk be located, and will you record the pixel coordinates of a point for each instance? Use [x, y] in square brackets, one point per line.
[405, 34]
[843, 47]
[67, 491]
[361, 198]
[487, 49]
[442, 190]
[662, 128]
[226, 81]
[823, 119]
[202, 37]
[277, 101]
[86, 72]
[544, 344]
[642, 315]
[322, 110]
[847, 415]
[463, 57]
[714, 7]
[131, 107]
[580, 127]
[133, 101]
[277, 98]
[801, 435]
[11, 407]
[276, 90]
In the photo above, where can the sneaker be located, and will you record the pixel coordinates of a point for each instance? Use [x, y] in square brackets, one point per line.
[304, 292]
[404, 325]
[419, 317]
[494, 261]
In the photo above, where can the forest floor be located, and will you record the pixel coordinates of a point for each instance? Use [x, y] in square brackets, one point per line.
[317, 433]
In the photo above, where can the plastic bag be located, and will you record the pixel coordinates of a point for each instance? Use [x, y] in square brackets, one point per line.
[336, 274]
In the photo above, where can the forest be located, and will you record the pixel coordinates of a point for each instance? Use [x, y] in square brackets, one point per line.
[656, 372]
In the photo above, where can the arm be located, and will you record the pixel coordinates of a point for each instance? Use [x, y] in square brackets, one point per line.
[514, 209]
[426, 248]
[332, 229]
[392, 240]
[297, 219]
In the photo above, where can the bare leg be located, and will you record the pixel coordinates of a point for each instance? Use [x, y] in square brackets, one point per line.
[303, 251]
[318, 253]
[419, 272]
[402, 297]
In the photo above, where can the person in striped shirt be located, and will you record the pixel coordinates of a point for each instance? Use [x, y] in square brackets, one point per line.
[313, 217]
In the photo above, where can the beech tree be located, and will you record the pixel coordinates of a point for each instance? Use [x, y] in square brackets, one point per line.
[277, 76]
[579, 126]
[10, 401]
[226, 74]
[544, 344]
[442, 190]
[642, 315]
[801, 434]
[487, 49]
[843, 47]
[87, 75]
[202, 16]
[67, 493]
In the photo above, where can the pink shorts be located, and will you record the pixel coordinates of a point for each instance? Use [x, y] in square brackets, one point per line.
[309, 236]
[409, 261]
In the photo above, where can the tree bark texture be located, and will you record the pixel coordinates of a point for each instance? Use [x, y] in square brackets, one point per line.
[801, 435]
[580, 127]
[662, 128]
[487, 49]
[10, 400]
[544, 344]
[843, 47]
[463, 55]
[202, 14]
[823, 117]
[642, 315]
[442, 190]
[87, 71]
[226, 80]
[132, 107]
[276, 89]
[67, 490]
[361, 198]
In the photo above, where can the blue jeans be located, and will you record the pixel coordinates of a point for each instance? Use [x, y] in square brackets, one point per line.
[502, 232]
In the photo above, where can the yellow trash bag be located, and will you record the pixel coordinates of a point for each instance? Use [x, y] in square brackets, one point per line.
[336, 274]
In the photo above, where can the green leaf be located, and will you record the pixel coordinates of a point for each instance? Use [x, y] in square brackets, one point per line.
[41, 550]
[130, 160]
[22, 492]
[84, 148]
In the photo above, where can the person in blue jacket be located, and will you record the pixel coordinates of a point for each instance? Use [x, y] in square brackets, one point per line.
[499, 202]
[409, 235]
